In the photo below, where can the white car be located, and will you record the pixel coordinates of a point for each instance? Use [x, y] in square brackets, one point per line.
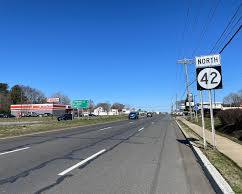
[85, 114]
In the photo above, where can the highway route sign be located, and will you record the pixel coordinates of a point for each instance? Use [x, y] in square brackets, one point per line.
[80, 104]
[208, 69]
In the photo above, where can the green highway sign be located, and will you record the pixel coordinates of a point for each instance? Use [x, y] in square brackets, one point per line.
[80, 104]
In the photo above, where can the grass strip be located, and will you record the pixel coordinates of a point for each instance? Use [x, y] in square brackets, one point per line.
[53, 124]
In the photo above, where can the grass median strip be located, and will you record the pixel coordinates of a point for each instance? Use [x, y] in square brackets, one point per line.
[52, 124]
[227, 168]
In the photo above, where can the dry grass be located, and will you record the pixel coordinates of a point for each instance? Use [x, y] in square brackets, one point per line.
[51, 124]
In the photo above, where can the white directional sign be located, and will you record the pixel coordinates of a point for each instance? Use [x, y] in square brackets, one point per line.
[208, 61]
[208, 72]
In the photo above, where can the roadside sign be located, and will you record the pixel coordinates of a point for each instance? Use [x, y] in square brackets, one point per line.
[208, 61]
[209, 78]
[195, 107]
[51, 100]
[80, 104]
[208, 69]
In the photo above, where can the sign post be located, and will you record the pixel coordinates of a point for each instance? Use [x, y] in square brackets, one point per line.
[203, 123]
[196, 109]
[208, 69]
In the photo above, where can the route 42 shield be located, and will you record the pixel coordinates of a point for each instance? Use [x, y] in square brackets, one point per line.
[209, 78]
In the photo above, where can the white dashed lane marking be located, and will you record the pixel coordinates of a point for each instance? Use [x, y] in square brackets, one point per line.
[105, 128]
[17, 150]
[81, 163]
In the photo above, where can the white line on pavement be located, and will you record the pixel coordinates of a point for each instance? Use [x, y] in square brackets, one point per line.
[81, 163]
[8, 152]
[131, 122]
[141, 129]
[105, 128]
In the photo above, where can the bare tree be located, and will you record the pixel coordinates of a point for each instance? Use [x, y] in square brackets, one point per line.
[64, 99]
[33, 95]
[91, 106]
[233, 99]
[105, 105]
[118, 106]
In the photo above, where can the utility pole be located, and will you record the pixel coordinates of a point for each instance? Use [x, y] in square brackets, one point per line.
[176, 103]
[185, 62]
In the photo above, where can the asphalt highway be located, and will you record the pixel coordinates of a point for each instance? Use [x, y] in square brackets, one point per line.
[148, 155]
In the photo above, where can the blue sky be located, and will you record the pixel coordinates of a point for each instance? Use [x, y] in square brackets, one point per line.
[113, 50]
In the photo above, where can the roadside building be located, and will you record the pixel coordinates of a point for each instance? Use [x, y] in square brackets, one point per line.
[126, 111]
[101, 112]
[54, 109]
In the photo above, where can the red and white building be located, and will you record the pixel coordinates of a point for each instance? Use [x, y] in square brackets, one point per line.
[54, 109]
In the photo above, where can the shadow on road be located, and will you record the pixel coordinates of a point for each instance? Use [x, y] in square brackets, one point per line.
[186, 141]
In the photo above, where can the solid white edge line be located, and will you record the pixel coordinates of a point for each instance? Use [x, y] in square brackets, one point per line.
[105, 128]
[141, 129]
[81, 163]
[8, 152]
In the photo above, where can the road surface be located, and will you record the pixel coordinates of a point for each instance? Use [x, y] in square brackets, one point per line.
[148, 155]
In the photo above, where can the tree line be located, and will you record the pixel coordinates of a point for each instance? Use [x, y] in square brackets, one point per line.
[233, 99]
[21, 94]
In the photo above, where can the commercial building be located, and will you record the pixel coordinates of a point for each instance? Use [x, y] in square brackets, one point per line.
[54, 109]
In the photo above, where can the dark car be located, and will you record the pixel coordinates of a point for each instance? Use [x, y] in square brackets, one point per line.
[92, 115]
[9, 116]
[133, 115]
[6, 115]
[47, 115]
[149, 114]
[65, 117]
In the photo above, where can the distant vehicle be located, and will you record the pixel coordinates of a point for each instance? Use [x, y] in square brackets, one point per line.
[65, 117]
[133, 115]
[47, 115]
[149, 114]
[85, 114]
[30, 114]
[92, 115]
[6, 115]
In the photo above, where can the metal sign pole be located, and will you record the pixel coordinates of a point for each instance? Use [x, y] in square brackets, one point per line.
[78, 112]
[212, 119]
[203, 123]
[195, 105]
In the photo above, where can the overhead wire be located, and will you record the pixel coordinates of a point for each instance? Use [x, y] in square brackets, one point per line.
[227, 27]
[205, 27]
[237, 31]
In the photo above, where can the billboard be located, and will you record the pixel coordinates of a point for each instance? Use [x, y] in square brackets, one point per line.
[51, 100]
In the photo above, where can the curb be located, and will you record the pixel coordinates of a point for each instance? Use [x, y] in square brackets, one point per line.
[219, 184]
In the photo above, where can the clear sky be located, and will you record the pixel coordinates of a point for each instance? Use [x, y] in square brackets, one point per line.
[113, 50]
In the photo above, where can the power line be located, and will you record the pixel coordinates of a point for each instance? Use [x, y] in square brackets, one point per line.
[184, 30]
[229, 33]
[230, 22]
[210, 18]
[230, 39]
